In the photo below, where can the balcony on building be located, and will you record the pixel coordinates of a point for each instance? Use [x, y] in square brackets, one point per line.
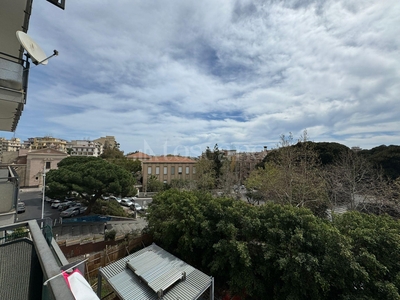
[9, 186]
[14, 66]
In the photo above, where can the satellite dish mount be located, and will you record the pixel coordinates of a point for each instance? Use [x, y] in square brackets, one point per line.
[35, 52]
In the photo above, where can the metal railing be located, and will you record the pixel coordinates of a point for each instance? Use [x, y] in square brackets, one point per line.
[9, 187]
[48, 254]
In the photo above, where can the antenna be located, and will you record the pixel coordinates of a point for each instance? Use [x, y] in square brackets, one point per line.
[36, 53]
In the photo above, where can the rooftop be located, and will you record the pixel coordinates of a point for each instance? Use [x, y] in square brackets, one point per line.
[170, 159]
[153, 273]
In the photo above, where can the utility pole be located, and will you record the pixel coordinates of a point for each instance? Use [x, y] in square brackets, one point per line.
[44, 187]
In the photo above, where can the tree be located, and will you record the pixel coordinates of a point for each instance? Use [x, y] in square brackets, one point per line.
[385, 157]
[292, 176]
[154, 185]
[115, 156]
[350, 179]
[228, 177]
[280, 251]
[375, 244]
[205, 174]
[112, 153]
[215, 166]
[183, 184]
[132, 166]
[90, 177]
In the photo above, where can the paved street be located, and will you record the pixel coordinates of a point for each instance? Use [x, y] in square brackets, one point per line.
[33, 206]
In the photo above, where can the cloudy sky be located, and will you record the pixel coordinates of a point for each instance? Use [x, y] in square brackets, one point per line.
[176, 76]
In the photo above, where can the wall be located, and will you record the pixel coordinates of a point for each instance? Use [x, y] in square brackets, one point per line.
[169, 176]
[108, 252]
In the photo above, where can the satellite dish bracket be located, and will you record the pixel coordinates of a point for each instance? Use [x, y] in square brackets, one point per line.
[55, 53]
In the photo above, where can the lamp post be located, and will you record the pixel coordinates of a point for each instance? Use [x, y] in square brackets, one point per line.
[44, 188]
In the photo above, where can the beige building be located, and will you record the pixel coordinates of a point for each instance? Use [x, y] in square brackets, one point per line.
[108, 141]
[84, 148]
[166, 168]
[29, 165]
[13, 144]
[46, 143]
[39, 161]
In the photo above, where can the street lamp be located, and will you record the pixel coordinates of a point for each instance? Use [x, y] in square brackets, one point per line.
[44, 188]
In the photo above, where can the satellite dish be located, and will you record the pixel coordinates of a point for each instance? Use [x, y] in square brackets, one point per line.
[37, 54]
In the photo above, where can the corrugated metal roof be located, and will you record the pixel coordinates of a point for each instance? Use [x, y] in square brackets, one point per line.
[155, 269]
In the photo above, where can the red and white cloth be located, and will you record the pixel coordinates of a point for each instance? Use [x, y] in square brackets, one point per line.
[79, 287]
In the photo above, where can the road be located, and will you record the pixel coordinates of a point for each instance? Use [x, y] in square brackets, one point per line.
[144, 202]
[33, 207]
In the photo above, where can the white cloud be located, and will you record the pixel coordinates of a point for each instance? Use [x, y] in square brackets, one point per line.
[236, 73]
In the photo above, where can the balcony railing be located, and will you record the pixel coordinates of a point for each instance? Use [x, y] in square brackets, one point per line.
[45, 258]
[13, 90]
[9, 187]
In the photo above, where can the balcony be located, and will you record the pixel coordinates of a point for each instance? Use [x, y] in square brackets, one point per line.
[13, 86]
[9, 186]
[30, 256]
[14, 15]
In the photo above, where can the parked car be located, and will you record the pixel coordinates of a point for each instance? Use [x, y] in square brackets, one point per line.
[70, 212]
[136, 206]
[126, 202]
[65, 205]
[82, 209]
[118, 199]
[55, 203]
[21, 207]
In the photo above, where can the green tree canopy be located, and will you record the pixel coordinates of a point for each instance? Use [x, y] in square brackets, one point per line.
[90, 177]
[112, 153]
[154, 185]
[292, 176]
[387, 157]
[280, 251]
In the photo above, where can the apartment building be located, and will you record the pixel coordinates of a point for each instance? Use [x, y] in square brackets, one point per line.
[167, 168]
[107, 141]
[45, 143]
[84, 148]
[13, 144]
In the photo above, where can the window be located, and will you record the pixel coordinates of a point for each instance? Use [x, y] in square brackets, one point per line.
[157, 170]
[165, 170]
[187, 170]
[194, 170]
[48, 164]
[179, 170]
[148, 170]
[172, 170]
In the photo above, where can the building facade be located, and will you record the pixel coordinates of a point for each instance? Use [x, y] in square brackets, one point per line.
[108, 141]
[46, 142]
[40, 161]
[84, 148]
[167, 168]
[13, 144]
[14, 67]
